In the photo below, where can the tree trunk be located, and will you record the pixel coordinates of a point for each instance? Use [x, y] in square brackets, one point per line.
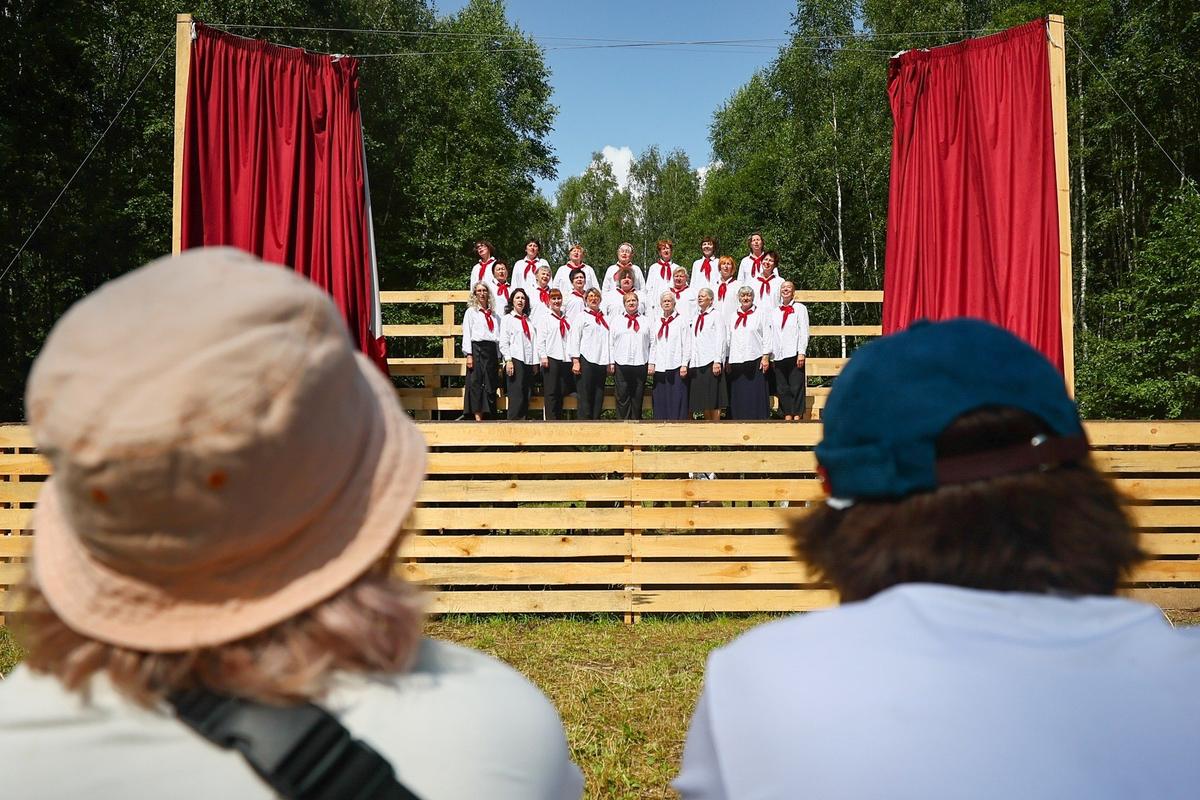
[837, 177]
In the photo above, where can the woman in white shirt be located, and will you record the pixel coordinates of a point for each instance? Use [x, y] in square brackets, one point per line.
[631, 351]
[480, 338]
[749, 359]
[789, 342]
[562, 278]
[613, 303]
[766, 285]
[482, 271]
[524, 271]
[751, 265]
[501, 288]
[704, 269]
[706, 391]
[518, 348]
[591, 356]
[554, 353]
[624, 261]
[669, 352]
[726, 289]
[685, 296]
[660, 273]
[539, 294]
[575, 293]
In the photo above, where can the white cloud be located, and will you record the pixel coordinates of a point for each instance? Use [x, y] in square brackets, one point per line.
[620, 159]
[702, 172]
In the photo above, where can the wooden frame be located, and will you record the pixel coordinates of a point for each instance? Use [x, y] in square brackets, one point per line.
[1056, 49]
[183, 61]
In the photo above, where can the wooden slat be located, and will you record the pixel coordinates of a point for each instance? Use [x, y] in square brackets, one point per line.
[14, 546]
[1160, 488]
[733, 600]
[11, 574]
[845, 330]
[1166, 572]
[15, 519]
[636, 517]
[641, 573]
[1147, 460]
[541, 491]
[565, 602]
[1182, 599]
[431, 296]
[824, 367]
[543, 463]
[24, 464]
[501, 433]
[556, 602]
[15, 436]
[1153, 433]
[20, 491]
[840, 296]
[422, 330]
[1175, 544]
[513, 546]
[702, 545]
[1165, 516]
[771, 461]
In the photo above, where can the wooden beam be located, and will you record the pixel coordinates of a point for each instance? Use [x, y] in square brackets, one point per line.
[1056, 44]
[183, 61]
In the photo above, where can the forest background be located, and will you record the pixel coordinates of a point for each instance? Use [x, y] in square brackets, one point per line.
[457, 139]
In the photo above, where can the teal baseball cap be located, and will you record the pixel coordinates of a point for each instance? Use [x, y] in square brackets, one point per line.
[897, 394]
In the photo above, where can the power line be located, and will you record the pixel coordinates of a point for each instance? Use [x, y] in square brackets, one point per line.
[1132, 113]
[66, 185]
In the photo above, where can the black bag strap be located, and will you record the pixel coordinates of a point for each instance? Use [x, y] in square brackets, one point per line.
[303, 752]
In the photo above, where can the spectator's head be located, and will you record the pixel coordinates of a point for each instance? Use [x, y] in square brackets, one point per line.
[230, 483]
[953, 455]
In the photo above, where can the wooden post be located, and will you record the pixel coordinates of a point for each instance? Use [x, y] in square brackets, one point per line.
[1056, 48]
[183, 60]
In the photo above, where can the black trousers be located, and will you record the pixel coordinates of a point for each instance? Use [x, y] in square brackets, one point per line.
[518, 387]
[631, 390]
[482, 380]
[590, 386]
[789, 386]
[554, 382]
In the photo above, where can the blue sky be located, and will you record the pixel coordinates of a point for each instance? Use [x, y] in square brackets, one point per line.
[628, 99]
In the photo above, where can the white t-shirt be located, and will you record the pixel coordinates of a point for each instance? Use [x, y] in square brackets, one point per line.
[930, 691]
[459, 725]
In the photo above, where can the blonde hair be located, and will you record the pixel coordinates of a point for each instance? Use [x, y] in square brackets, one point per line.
[473, 301]
[372, 625]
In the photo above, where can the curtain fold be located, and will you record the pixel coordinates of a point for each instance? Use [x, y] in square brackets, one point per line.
[274, 165]
[973, 215]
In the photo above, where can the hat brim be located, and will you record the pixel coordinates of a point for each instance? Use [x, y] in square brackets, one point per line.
[333, 549]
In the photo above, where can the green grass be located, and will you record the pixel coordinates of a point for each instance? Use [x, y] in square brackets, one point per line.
[10, 651]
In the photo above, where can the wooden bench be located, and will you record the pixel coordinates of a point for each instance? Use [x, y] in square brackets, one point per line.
[622, 517]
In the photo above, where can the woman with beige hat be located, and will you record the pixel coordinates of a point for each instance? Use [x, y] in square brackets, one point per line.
[229, 488]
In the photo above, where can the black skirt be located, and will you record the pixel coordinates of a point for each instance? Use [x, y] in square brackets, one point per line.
[670, 398]
[748, 391]
[789, 386]
[482, 380]
[706, 391]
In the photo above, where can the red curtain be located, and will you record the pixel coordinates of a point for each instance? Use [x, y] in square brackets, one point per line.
[273, 164]
[972, 218]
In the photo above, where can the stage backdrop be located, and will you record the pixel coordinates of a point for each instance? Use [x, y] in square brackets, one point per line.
[274, 164]
[972, 217]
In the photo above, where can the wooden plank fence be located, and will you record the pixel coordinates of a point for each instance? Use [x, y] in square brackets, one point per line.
[430, 361]
[635, 518]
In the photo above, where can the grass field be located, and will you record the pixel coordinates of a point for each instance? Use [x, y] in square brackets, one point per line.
[625, 692]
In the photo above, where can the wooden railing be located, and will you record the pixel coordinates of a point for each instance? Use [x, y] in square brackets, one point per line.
[429, 346]
[624, 517]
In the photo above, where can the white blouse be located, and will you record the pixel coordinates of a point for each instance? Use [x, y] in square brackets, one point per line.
[631, 339]
[656, 282]
[748, 269]
[475, 328]
[791, 337]
[573, 302]
[501, 294]
[685, 303]
[749, 335]
[729, 304]
[766, 293]
[710, 341]
[554, 337]
[610, 278]
[516, 343]
[699, 281]
[591, 338]
[524, 274]
[481, 273]
[671, 346]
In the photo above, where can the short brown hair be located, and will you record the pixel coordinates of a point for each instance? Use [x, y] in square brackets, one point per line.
[1062, 530]
[663, 243]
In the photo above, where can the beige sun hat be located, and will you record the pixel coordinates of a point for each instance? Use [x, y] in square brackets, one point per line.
[222, 457]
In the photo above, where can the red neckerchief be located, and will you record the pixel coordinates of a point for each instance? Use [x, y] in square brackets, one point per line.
[484, 267]
[525, 326]
[707, 267]
[563, 325]
[544, 295]
[677, 292]
[764, 286]
[742, 317]
[502, 288]
[577, 293]
[530, 266]
[787, 310]
[700, 321]
[757, 262]
[488, 316]
[632, 322]
[665, 327]
[721, 289]
[665, 272]
[599, 318]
